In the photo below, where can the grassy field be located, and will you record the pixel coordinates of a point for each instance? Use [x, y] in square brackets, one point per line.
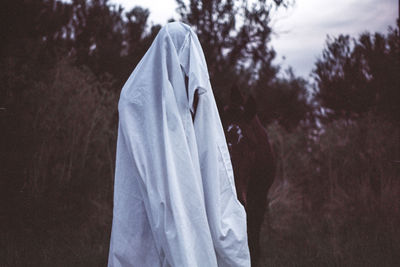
[335, 201]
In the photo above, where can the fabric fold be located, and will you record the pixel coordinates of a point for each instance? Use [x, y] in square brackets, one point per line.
[171, 206]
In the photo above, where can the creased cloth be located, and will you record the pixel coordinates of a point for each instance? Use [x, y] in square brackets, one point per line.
[175, 201]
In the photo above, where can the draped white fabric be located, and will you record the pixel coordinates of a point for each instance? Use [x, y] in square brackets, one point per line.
[175, 202]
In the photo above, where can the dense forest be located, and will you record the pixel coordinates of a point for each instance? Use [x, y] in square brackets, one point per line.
[336, 137]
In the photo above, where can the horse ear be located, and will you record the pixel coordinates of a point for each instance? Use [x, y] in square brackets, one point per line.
[250, 108]
[236, 96]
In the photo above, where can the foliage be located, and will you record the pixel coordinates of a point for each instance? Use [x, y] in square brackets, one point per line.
[30, 19]
[284, 100]
[336, 200]
[59, 166]
[355, 76]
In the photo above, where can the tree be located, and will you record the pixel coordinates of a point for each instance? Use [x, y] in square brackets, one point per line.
[356, 76]
[97, 35]
[285, 100]
[42, 20]
[235, 37]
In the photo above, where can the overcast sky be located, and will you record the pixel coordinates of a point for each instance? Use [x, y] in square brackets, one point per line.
[301, 30]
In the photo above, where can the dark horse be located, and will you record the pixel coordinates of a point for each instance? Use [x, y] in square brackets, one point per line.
[253, 163]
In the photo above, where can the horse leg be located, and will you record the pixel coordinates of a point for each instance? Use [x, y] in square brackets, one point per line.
[256, 208]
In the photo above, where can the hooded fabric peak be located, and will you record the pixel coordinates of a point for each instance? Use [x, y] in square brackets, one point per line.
[178, 32]
[175, 202]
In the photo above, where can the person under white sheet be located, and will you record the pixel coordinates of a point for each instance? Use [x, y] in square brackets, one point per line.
[175, 202]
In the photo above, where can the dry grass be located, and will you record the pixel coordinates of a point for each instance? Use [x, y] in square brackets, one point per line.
[336, 200]
[59, 204]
